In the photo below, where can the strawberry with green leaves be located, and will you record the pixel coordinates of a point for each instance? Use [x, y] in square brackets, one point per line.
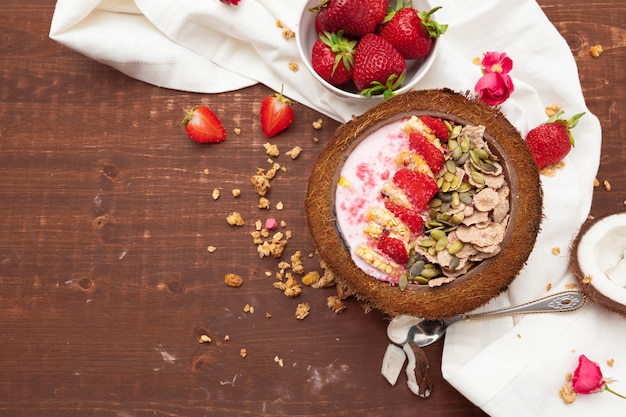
[332, 57]
[276, 114]
[551, 141]
[356, 18]
[203, 126]
[411, 32]
[378, 67]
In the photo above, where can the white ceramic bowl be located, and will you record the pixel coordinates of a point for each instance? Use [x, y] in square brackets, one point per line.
[306, 37]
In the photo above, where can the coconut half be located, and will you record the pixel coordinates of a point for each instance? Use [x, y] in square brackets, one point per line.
[598, 260]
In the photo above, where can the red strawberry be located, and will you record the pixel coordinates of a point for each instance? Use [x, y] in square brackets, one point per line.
[551, 141]
[419, 187]
[394, 248]
[410, 32]
[429, 152]
[332, 57]
[378, 66]
[437, 126]
[410, 217]
[202, 125]
[276, 114]
[355, 17]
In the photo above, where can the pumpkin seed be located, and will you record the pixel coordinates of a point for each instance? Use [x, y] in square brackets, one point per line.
[457, 153]
[463, 158]
[456, 130]
[451, 166]
[464, 143]
[430, 273]
[437, 234]
[445, 187]
[403, 281]
[421, 280]
[456, 247]
[454, 262]
[434, 202]
[417, 268]
[455, 200]
[478, 178]
[445, 198]
[449, 176]
[427, 243]
[441, 244]
[464, 187]
[431, 224]
[457, 218]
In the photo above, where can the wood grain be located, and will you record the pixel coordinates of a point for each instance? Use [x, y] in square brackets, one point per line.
[106, 214]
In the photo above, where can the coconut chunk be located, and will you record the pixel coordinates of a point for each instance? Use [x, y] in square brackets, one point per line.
[420, 380]
[393, 362]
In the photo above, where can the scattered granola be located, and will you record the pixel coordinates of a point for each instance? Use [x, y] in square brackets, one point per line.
[233, 280]
[556, 251]
[237, 131]
[235, 219]
[211, 249]
[216, 194]
[243, 352]
[552, 110]
[302, 310]
[271, 149]
[278, 360]
[317, 125]
[595, 51]
[294, 152]
[204, 339]
[293, 66]
[248, 309]
[280, 206]
[607, 185]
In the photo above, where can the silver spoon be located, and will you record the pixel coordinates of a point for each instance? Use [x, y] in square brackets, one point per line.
[403, 329]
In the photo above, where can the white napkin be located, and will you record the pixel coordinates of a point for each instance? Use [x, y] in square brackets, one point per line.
[507, 367]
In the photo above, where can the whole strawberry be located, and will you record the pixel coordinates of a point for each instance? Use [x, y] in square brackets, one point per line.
[552, 141]
[276, 114]
[332, 57]
[378, 66]
[355, 17]
[410, 32]
[203, 126]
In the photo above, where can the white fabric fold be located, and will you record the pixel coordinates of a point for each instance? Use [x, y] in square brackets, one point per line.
[508, 367]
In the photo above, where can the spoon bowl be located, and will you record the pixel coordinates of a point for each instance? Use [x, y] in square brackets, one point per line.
[403, 329]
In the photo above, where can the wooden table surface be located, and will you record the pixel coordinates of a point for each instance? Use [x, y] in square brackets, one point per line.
[106, 214]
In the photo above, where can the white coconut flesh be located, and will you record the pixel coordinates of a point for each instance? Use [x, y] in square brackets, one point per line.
[601, 255]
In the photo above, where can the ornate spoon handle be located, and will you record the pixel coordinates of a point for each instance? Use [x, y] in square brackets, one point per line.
[559, 302]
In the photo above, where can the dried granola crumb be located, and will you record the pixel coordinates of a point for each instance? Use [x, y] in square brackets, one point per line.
[280, 206]
[236, 192]
[302, 310]
[204, 339]
[268, 315]
[596, 182]
[569, 376]
[317, 125]
[248, 309]
[296, 263]
[567, 394]
[226, 338]
[206, 171]
[293, 67]
[549, 286]
[335, 304]
[610, 362]
[294, 152]
[595, 51]
[288, 34]
[278, 360]
[556, 251]
[571, 285]
[243, 352]
[283, 223]
[315, 139]
[211, 249]
[237, 131]
[235, 219]
[552, 109]
[587, 279]
[310, 278]
[233, 280]
[264, 203]
[607, 185]
[271, 149]
[216, 194]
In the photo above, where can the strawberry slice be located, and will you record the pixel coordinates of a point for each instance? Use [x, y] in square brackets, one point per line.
[394, 248]
[429, 152]
[276, 114]
[437, 126]
[410, 217]
[419, 187]
[203, 126]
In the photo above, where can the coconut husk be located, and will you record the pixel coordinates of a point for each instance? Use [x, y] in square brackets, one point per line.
[486, 280]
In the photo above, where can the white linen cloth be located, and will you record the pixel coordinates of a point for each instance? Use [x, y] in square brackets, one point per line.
[507, 367]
